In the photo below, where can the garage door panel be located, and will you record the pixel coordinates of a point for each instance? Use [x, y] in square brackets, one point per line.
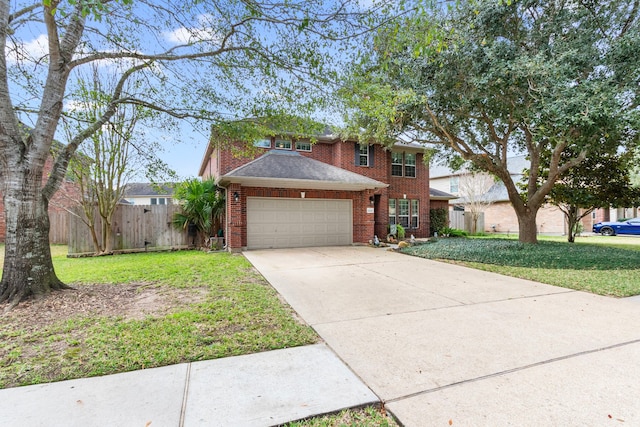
[288, 223]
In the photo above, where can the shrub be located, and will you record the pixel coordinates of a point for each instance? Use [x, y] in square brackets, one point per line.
[400, 231]
[438, 220]
[454, 232]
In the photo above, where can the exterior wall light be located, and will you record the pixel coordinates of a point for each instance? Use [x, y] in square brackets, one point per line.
[236, 196]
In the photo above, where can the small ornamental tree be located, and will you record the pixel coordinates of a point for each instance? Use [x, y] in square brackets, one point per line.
[598, 182]
[473, 189]
[202, 206]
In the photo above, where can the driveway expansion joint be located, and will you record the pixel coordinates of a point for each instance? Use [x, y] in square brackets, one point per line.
[513, 370]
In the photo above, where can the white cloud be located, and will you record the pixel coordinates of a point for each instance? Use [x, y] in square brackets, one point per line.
[203, 31]
[33, 50]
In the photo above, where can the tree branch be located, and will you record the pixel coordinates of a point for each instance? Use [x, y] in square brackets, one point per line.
[65, 155]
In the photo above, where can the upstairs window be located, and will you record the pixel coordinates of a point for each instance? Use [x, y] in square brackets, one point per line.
[403, 164]
[410, 165]
[396, 164]
[454, 183]
[364, 155]
[283, 144]
[262, 143]
[303, 146]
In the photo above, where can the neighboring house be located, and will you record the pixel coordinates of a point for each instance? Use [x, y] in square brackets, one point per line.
[499, 216]
[334, 192]
[144, 193]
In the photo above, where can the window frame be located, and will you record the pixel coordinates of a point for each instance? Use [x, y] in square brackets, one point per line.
[306, 143]
[262, 143]
[410, 167]
[403, 219]
[395, 164]
[414, 213]
[454, 184]
[363, 154]
[284, 143]
[392, 212]
[153, 201]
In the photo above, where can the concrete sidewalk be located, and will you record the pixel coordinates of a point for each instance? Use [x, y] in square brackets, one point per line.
[261, 389]
[448, 345]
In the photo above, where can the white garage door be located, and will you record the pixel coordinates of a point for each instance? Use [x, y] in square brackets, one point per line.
[292, 223]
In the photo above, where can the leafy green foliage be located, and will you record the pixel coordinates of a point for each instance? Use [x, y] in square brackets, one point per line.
[201, 203]
[480, 80]
[601, 269]
[438, 219]
[453, 232]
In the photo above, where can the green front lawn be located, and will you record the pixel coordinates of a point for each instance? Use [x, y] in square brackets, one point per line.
[605, 268]
[171, 307]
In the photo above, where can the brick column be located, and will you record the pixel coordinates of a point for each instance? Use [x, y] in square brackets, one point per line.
[235, 217]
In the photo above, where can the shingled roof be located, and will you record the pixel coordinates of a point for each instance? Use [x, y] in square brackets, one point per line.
[290, 169]
[147, 189]
[440, 195]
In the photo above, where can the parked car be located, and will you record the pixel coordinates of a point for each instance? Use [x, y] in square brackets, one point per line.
[625, 226]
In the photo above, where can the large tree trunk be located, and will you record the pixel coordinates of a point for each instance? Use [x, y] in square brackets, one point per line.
[28, 268]
[528, 229]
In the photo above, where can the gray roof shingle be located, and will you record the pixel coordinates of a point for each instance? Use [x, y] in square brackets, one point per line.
[440, 195]
[291, 169]
[147, 189]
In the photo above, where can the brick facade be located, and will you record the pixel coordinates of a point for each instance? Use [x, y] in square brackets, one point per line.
[342, 154]
[550, 219]
[363, 222]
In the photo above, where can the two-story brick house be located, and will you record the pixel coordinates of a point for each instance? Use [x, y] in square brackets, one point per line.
[334, 192]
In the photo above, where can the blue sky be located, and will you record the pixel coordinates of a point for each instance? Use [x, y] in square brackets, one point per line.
[185, 145]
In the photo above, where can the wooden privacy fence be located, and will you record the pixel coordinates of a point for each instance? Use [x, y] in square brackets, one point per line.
[462, 221]
[135, 228]
[59, 227]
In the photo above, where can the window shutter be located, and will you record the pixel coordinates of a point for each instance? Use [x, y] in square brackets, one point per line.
[371, 155]
[357, 156]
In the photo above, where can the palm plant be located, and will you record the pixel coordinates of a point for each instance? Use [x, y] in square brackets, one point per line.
[201, 204]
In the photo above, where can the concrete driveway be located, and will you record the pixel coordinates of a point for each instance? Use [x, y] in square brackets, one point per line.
[447, 345]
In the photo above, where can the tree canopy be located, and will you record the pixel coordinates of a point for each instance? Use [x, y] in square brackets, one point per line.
[216, 62]
[484, 80]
